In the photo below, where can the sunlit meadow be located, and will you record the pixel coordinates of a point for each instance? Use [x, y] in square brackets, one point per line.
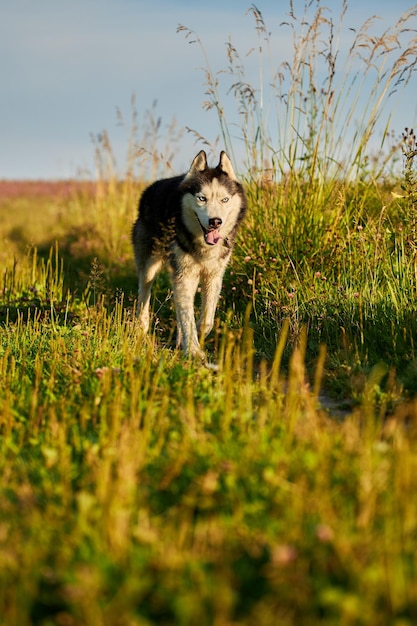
[140, 488]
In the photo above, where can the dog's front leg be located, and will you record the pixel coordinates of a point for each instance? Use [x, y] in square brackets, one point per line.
[210, 292]
[185, 287]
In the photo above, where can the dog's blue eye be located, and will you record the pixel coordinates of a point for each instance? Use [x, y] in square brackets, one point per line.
[201, 198]
[225, 199]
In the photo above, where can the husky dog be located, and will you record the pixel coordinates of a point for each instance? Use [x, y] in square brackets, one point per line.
[190, 222]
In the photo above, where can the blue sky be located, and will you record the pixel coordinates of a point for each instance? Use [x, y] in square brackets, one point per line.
[67, 66]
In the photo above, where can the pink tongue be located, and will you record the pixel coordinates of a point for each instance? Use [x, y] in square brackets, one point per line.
[212, 237]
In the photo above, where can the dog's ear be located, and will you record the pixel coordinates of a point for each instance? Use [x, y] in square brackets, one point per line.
[199, 164]
[226, 166]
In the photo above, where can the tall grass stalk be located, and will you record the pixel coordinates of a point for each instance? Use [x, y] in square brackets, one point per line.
[319, 114]
[150, 151]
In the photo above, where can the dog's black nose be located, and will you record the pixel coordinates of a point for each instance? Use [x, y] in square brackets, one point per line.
[215, 222]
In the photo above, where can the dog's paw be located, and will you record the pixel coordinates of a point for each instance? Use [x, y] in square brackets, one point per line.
[213, 367]
[198, 356]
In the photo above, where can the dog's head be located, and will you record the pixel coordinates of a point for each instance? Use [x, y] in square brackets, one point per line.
[212, 198]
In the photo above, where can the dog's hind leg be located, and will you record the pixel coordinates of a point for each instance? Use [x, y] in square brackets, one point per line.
[147, 275]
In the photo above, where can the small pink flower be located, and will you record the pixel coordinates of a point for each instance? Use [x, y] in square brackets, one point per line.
[324, 533]
[284, 555]
[101, 371]
[247, 258]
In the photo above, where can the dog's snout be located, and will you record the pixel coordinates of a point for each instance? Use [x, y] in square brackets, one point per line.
[215, 222]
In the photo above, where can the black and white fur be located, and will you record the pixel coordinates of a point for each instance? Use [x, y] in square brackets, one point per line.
[190, 222]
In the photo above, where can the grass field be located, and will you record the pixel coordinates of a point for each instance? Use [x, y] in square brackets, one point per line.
[139, 488]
